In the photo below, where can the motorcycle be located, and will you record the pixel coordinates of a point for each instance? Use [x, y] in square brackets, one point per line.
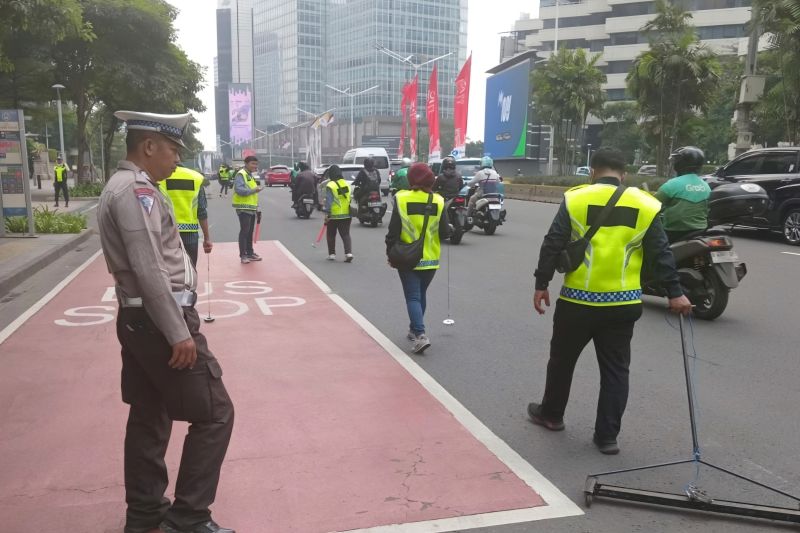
[304, 206]
[708, 266]
[456, 209]
[489, 212]
[371, 209]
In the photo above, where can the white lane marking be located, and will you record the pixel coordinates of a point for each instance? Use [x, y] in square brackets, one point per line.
[557, 504]
[32, 310]
[790, 253]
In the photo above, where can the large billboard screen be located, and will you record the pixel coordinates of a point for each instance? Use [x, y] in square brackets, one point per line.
[505, 133]
[240, 111]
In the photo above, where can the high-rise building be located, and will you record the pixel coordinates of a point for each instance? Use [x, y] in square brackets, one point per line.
[300, 46]
[612, 28]
[234, 62]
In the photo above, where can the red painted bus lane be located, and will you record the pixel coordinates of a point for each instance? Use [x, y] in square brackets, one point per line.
[332, 432]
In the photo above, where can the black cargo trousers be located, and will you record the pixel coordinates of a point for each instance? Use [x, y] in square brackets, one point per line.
[157, 395]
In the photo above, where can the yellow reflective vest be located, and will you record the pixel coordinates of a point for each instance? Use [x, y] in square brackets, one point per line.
[411, 208]
[339, 207]
[61, 172]
[611, 269]
[249, 202]
[183, 191]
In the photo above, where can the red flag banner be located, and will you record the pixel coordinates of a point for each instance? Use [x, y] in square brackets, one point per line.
[432, 113]
[413, 89]
[461, 109]
[403, 106]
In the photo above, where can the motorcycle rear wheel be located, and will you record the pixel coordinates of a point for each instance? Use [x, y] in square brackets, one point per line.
[456, 236]
[490, 227]
[716, 298]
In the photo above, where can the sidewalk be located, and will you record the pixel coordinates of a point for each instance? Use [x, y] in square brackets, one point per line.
[21, 257]
[336, 428]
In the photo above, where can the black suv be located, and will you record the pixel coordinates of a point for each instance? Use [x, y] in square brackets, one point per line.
[777, 170]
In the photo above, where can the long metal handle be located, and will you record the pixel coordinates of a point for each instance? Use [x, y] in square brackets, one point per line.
[689, 390]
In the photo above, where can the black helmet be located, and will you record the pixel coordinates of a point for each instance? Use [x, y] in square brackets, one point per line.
[687, 160]
[369, 163]
[448, 163]
[302, 166]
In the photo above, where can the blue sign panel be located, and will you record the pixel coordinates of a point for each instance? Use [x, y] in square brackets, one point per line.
[505, 132]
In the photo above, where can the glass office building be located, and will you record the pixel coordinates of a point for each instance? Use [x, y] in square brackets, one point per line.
[288, 39]
[302, 45]
[420, 29]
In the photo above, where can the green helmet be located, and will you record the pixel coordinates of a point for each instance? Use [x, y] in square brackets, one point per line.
[486, 162]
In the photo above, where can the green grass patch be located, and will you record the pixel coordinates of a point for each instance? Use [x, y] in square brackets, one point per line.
[47, 221]
[86, 190]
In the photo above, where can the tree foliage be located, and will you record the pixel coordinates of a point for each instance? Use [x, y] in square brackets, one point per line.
[672, 80]
[621, 129]
[113, 54]
[777, 115]
[568, 89]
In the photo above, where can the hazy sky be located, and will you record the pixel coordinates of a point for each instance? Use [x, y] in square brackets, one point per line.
[487, 18]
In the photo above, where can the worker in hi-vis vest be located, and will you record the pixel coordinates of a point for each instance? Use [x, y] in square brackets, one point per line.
[601, 299]
[60, 174]
[185, 191]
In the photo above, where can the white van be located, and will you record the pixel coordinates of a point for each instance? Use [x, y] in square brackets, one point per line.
[356, 156]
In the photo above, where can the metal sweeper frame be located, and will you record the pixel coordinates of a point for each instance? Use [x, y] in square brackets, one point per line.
[693, 498]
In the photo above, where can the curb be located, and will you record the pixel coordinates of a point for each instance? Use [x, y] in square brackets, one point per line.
[31, 267]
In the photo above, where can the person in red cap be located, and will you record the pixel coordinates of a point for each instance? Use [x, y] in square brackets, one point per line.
[408, 218]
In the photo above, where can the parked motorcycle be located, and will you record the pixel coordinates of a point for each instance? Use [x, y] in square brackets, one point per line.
[371, 209]
[708, 266]
[304, 206]
[489, 212]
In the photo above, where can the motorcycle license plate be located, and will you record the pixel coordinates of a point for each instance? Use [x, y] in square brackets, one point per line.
[374, 204]
[724, 257]
[494, 207]
[308, 201]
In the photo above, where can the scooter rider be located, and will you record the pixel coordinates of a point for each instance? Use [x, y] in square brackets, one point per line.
[685, 197]
[400, 178]
[304, 184]
[485, 181]
[449, 183]
[367, 180]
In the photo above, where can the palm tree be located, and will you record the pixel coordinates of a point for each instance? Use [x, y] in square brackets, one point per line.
[674, 78]
[566, 90]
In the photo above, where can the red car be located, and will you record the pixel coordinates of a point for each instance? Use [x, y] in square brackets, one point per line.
[279, 175]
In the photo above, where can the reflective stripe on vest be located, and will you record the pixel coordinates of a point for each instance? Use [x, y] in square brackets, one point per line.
[411, 208]
[183, 191]
[249, 202]
[610, 272]
[340, 190]
[61, 172]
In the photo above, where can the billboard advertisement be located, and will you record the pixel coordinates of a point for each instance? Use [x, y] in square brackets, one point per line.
[240, 111]
[507, 94]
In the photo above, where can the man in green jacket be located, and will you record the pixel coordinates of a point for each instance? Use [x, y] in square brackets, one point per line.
[685, 197]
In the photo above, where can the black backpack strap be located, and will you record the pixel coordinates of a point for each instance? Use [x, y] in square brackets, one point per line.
[605, 213]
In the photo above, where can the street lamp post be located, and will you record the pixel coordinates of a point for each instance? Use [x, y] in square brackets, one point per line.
[588, 153]
[415, 66]
[291, 133]
[555, 39]
[352, 96]
[269, 141]
[58, 88]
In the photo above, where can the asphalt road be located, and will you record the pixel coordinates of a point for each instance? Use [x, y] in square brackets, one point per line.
[493, 360]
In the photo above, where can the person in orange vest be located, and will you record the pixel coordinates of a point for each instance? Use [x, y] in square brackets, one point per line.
[61, 171]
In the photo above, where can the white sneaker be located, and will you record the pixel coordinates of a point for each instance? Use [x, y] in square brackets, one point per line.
[410, 336]
[421, 343]
[348, 258]
[332, 257]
